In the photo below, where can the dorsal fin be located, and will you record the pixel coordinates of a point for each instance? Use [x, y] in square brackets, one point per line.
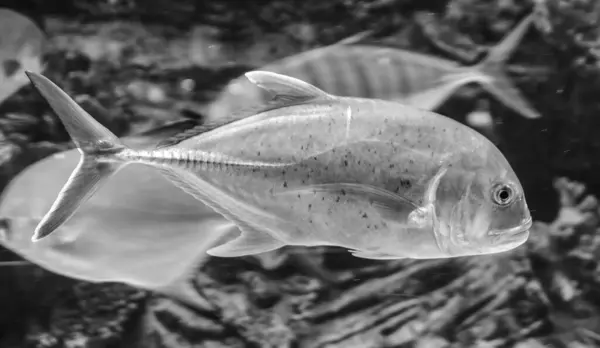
[286, 89]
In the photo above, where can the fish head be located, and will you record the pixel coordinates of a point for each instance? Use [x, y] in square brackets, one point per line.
[488, 213]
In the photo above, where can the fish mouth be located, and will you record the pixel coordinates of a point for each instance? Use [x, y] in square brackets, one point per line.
[516, 231]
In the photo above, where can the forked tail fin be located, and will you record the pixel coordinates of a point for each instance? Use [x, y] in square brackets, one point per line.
[97, 146]
[490, 74]
[498, 83]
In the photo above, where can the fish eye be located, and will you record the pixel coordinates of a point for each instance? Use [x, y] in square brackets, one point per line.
[503, 194]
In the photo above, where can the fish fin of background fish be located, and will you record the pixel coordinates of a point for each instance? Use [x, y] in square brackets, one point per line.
[432, 98]
[92, 139]
[356, 38]
[251, 241]
[192, 114]
[182, 287]
[498, 82]
[387, 203]
[373, 255]
[502, 51]
[286, 88]
[169, 130]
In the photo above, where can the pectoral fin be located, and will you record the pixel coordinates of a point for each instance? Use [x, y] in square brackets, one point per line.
[389, 204]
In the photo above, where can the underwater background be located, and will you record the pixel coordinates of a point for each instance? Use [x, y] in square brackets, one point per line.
[153, 61]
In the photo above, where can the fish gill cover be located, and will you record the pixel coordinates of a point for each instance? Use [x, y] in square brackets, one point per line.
[543, 294]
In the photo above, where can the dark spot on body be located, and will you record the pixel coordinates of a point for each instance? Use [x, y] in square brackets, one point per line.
[364, 215]
[405, 183]
[309, 207]
[285, 184]
[258, 153]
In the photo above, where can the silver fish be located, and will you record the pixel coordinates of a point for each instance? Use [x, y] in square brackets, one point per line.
[390, 73]
[377, 177]
[139, 229]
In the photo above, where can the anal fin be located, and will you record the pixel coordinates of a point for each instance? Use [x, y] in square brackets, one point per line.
[250, 242]
[252, 239]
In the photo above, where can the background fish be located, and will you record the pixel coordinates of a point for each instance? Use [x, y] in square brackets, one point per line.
[139, 229]
[321, 170]
[22, 45]
[357, 69]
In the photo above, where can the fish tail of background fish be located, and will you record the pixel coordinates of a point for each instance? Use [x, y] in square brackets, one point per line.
[96, 144]
[493, 77]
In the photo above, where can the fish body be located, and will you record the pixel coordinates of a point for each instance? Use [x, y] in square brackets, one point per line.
[377, 177]
[123, 233]
[391, 73]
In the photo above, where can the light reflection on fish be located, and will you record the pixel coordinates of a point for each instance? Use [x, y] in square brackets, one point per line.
[122, 234]
[373, 71]
[379, 178]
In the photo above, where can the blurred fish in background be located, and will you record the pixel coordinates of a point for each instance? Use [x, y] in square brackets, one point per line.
[356, 68]
[136, 230]
[22, 45]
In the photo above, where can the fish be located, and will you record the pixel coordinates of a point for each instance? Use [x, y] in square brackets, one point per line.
[379, 178]
[139, 229]
[358, 68]
[22, 44]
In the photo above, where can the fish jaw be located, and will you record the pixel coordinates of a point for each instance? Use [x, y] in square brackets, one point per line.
[511, 238]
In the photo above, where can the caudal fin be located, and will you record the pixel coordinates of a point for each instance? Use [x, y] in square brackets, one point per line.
[490, 74]
[96, 144]
[498, 83]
